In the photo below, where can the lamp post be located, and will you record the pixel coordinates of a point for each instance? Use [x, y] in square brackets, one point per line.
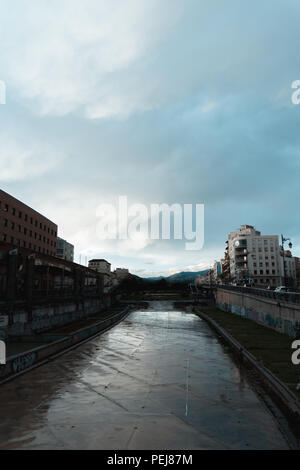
[290, 246]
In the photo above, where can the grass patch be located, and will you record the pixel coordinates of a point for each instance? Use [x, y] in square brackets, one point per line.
[273, 348]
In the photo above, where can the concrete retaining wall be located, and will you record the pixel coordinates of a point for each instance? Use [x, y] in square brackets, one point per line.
[26, 360]
[280, 393]
[279, 315]
[45, 317]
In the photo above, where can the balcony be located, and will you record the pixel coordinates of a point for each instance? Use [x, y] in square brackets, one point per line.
[241, 260]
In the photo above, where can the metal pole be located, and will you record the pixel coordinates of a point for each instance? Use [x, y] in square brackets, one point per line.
[284, 272]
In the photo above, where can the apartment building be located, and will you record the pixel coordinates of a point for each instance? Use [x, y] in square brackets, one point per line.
[254, 255]
[288, 270]
[104, 267]
[297, 267]
[23, 227]
[217, 269]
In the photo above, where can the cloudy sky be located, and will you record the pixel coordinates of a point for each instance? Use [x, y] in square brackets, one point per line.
[164, 101]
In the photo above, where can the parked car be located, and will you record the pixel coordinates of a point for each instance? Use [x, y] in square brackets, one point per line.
[281, 289]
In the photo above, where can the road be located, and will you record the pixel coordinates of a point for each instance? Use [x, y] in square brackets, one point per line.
[158, 380]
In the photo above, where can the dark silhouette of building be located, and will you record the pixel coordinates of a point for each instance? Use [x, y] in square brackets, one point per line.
[23, 227]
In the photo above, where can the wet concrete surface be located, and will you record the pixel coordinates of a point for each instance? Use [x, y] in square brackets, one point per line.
[158, 380]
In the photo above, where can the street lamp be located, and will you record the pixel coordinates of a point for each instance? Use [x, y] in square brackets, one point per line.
[290, 246]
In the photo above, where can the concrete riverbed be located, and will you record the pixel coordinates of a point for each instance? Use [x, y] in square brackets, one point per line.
[158, 380]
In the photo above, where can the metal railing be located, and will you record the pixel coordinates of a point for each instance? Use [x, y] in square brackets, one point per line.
[293, 297]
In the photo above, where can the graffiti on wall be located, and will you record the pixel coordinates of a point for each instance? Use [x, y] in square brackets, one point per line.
[273, 322]
[23, 362]
[259, 317]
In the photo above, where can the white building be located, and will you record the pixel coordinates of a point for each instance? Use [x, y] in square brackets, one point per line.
[254, 255]
[102, 266]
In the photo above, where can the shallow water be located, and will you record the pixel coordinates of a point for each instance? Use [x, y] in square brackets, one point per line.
[158, 380]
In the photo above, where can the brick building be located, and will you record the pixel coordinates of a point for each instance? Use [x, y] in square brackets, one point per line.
[21, 226]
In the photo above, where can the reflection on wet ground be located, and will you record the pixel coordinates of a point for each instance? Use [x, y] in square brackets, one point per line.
[158, 380]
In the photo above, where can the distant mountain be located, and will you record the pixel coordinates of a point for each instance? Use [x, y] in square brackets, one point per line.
[184, 276]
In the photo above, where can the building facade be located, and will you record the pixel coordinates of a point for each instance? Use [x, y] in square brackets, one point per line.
[217, 268]
[297, 268]
[255, 256]
[23, 227]
[64, 250]
[287, 269]
[103, 267]
[121, 273]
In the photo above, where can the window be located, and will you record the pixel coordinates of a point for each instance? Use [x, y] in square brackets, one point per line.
[20, 214]
[26, 217]
[13, 211]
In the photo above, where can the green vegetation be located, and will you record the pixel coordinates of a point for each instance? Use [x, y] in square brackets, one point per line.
[269, 346]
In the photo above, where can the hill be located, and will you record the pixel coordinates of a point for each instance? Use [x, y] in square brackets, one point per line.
[184, 276]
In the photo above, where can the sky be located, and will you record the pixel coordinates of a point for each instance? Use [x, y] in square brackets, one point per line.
[161, 101]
